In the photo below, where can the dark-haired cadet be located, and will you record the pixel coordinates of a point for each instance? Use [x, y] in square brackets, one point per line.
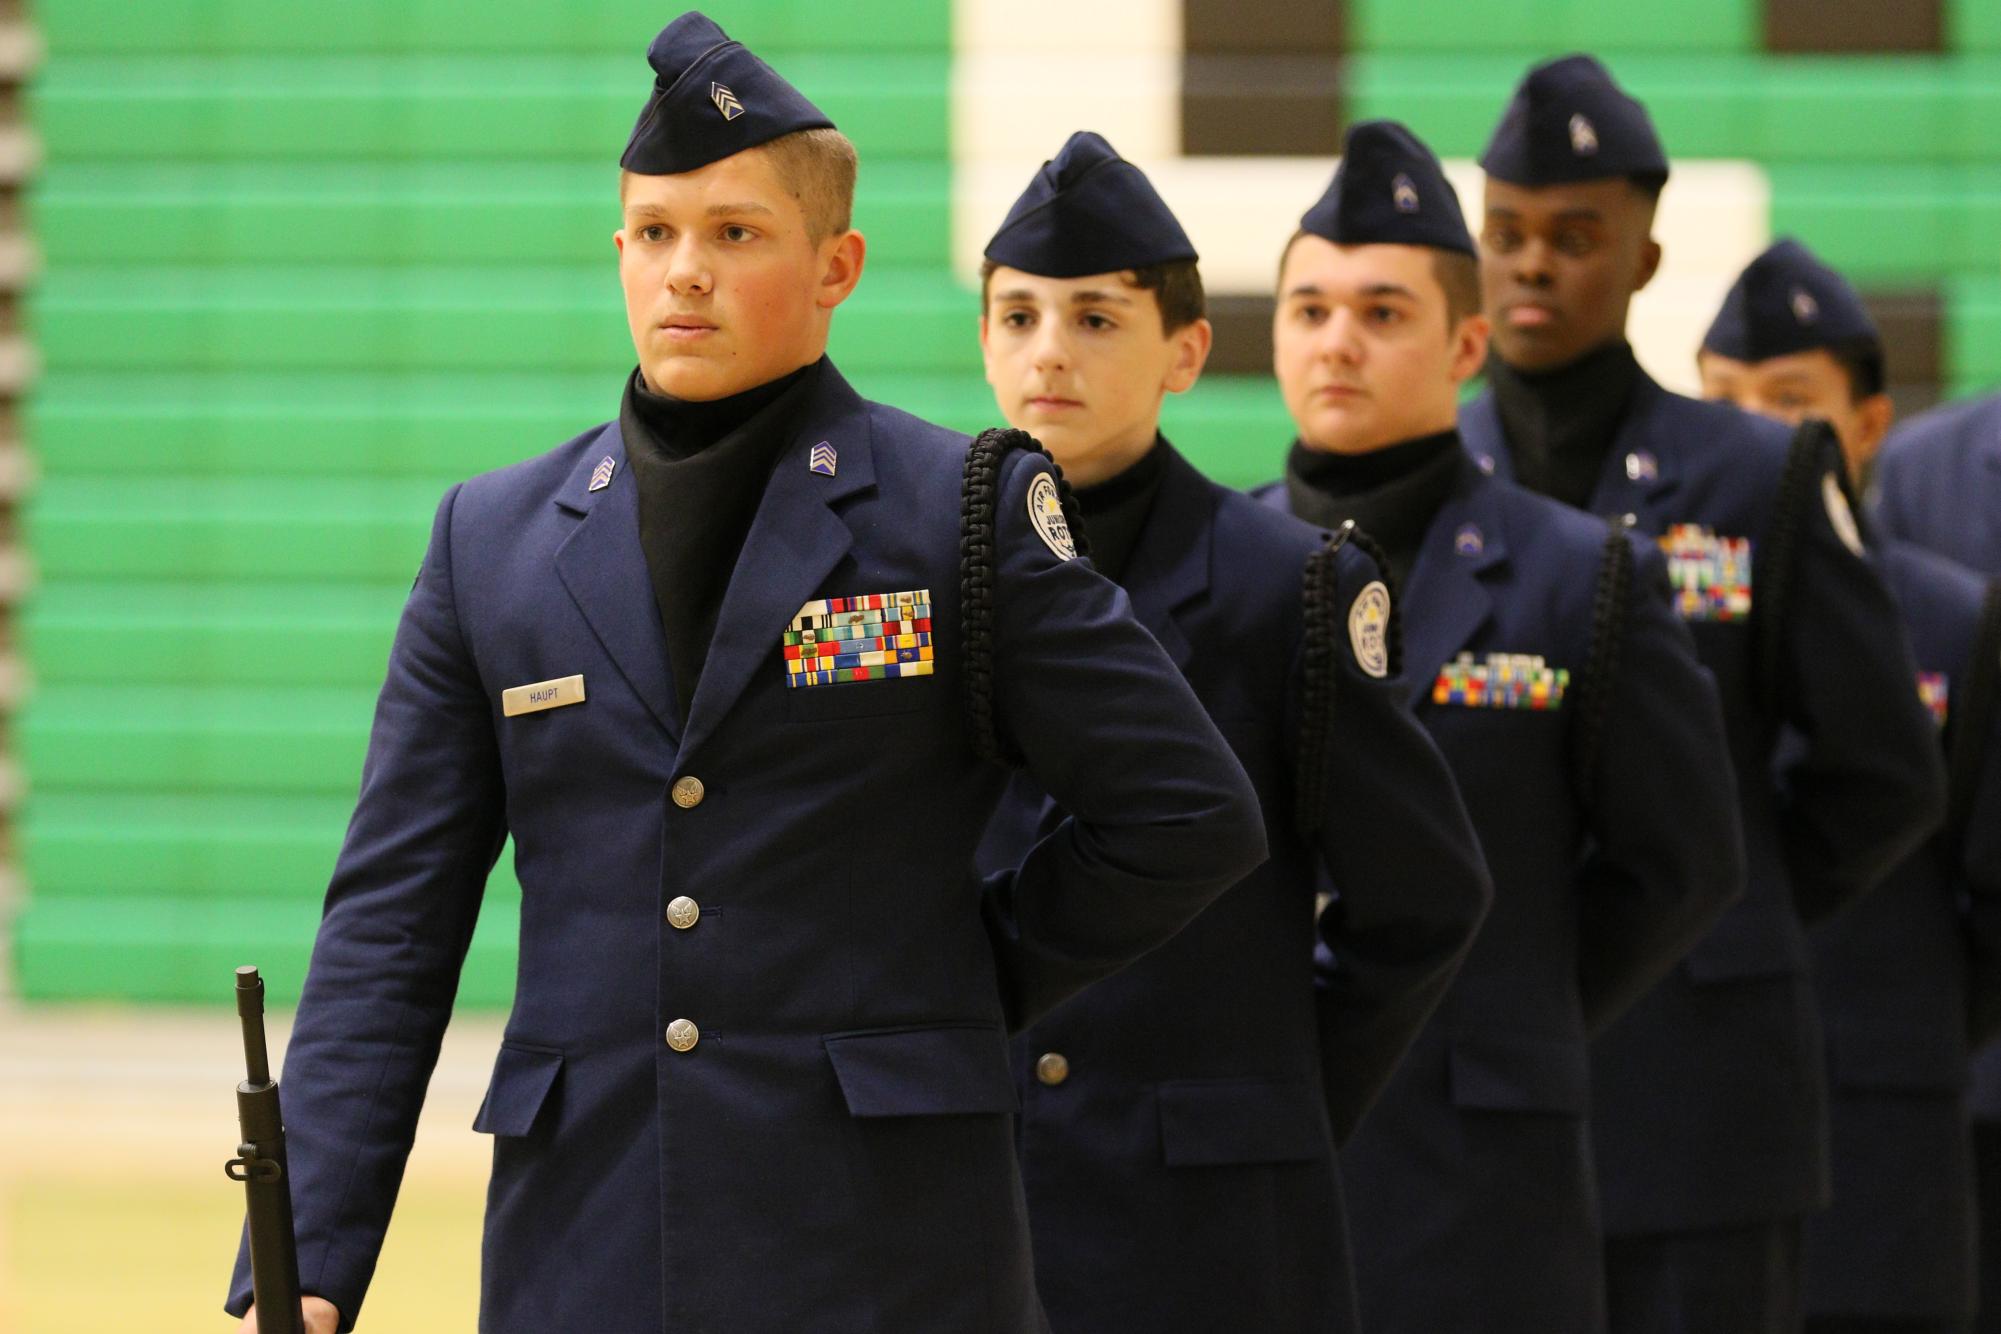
[721, 670]
[1710, 1097]
[1587, 741]
[1909, 979]
[1179, 1120]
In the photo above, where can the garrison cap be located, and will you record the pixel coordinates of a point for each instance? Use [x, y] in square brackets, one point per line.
[1569, 122]
[1389, 190]
[711, 98]
[1088, 211]
[1785, 301]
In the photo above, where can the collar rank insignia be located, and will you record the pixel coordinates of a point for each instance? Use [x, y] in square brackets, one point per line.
[824, 459]
[1710, 575]
[1934, 689]
[1642, 466]
[1583, 135]
[725, 101]
[1469, 540]
[870, 637]
[1501, 681]
[601, 475]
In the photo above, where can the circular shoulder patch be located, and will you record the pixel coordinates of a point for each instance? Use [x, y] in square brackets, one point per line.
[1045, 512]
[1839, 514]
[1369, 629]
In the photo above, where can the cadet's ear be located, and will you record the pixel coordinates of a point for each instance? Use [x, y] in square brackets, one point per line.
[841, 259]
[1191, 353]
[1873, 416]
[1469, 348]
[1650, 263]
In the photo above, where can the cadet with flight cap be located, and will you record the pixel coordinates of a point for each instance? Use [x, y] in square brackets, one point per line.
[743, 673]
[1909, 980]
[1709, 1098]
[1178, 1185]
[1587, 740]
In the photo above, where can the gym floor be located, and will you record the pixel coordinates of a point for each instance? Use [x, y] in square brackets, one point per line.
[114, 1211]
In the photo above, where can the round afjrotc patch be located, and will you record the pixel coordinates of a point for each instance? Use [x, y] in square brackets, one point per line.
[1045, 511]
[1369, 629]
[1839, 513]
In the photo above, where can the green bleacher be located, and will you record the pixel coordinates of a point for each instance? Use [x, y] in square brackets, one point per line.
[308, 265]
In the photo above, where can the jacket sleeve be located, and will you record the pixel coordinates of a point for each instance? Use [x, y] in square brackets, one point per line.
[1160, 817]
[1659, 794]
[399, 916]
[1866, 785]
[1410, 884]
[1975, 740]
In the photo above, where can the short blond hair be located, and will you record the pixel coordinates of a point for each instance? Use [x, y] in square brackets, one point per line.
[817, 168]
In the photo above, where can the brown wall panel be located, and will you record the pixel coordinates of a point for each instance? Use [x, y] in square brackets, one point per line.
[1865, 27]
[1271, 27]
[1240, 106]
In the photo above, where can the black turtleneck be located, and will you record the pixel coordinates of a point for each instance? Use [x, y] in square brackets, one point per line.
[1560, 424]
[1116, 509]
[701, 469]
[1392, 494]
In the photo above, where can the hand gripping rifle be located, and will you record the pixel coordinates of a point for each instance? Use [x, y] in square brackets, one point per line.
[260, 1165]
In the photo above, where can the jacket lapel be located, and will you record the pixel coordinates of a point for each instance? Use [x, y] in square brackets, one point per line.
[794, 543]
[1448, 599]
[1643, 467]
[1480, 431]
[1170, 567]
[602, 566]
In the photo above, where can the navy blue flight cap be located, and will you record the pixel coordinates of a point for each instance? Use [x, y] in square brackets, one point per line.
[711, 98]
[1569, 122]
[1389, 190]
[1786, 301]
[1088, 211]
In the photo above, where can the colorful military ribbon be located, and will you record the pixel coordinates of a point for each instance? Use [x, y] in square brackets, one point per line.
[1501, 681]
[1935, 690]
[870, 637]
[1710, 575]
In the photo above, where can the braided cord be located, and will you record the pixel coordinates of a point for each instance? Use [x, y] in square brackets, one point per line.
[1611, 604]
[979, 557]
[1971, 722]
[1773, 569]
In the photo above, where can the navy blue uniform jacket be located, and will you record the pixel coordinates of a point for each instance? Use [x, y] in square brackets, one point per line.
[836, 1151]
[1710, 1096]
[1470, 1189]
[1182, 1176]
[1908, 980]
[1939, 486]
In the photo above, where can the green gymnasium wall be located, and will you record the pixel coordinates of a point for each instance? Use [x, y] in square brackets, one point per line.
[308, 265]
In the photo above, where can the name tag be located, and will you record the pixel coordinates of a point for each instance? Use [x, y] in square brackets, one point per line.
[542, 695]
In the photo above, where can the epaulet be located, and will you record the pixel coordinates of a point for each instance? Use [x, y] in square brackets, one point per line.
[1611, 609]
[1815, 457]
[1321, 641]
[978, 561]
[1970, 724]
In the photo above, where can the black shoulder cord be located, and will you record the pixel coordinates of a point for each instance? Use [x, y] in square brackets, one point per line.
[1611, 606]
[1320, 643]
[1970, 722]
[978, 557]
[1814, 452]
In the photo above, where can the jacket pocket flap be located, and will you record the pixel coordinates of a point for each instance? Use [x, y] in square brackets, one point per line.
[1213, 1123]
[1754, 939]
[948, 1071]
[1520, 1073]
[1897, 1058]
[522, 1078]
